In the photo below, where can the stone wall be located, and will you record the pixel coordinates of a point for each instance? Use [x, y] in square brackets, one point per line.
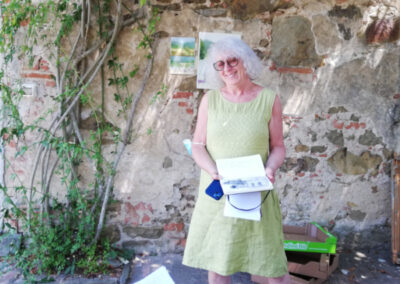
[335, 66]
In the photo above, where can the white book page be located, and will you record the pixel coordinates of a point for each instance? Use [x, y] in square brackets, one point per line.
[243, 174]
[241, 167]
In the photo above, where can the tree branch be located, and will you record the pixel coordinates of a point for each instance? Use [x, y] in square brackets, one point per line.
[123, 144]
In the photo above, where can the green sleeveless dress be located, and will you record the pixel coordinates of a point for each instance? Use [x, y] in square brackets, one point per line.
[228, 245]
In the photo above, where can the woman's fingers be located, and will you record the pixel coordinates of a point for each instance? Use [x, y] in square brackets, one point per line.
[270, 173]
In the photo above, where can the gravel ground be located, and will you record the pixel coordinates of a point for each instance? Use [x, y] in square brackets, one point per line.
[371, 265]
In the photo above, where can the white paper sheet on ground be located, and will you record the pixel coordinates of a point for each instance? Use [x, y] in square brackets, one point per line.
[160, 276]
[244, 201]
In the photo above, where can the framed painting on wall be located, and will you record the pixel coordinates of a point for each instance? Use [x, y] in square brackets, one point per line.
[182, 57]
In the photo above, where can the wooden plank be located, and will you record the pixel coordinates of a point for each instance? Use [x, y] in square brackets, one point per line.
[396, 209]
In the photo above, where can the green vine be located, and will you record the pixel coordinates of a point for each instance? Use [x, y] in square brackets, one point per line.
[64, 231]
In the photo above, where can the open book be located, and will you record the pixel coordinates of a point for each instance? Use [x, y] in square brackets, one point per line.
[243, 174]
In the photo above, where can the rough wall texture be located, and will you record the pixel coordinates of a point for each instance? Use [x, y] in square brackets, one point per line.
[336, 67]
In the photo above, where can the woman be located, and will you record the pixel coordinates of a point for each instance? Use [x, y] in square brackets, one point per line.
[239, 119]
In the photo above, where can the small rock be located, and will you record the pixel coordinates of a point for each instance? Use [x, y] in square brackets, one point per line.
[114, 263]
[381, 260]
[344, 271]
[125, 274]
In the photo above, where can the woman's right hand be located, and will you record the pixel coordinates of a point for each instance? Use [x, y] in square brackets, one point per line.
[216, 176]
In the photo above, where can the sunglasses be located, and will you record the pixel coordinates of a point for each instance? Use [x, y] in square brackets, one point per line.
[231, 62]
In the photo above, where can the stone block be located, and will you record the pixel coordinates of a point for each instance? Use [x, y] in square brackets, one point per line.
[343, 161]
[335, 137]
[113, 233]
[350, 12]
[145, 232]
[293, 42]
[369, 139]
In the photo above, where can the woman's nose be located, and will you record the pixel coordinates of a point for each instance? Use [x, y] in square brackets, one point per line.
[227, 66]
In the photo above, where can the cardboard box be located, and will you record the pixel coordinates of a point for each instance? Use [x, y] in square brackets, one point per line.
[310, 238]
[318, 265]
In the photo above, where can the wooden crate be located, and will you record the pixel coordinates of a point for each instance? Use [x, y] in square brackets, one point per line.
[317, 265]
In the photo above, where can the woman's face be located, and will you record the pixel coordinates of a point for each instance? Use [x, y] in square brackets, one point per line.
[231, 69]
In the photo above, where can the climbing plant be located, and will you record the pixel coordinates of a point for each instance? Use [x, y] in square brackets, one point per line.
[80, 38]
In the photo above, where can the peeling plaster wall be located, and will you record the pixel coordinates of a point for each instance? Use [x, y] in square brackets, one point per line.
[338, 79]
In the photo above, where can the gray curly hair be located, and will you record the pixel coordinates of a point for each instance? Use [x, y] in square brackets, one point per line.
[233, 47]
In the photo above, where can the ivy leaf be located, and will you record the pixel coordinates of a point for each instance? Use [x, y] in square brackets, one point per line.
[117, 97]
[142, 3]
[133, 72]
[21, 152]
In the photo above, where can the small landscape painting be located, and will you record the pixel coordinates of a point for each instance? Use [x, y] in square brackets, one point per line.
[182, 59]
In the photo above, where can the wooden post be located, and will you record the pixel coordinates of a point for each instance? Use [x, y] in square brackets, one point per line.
[396, 209]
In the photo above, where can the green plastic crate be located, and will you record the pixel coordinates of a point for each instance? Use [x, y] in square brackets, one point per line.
[311, 238]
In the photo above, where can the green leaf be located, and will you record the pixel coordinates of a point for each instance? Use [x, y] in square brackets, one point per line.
[117, 97]
[133, 72]
[21, 152]
[142, 3]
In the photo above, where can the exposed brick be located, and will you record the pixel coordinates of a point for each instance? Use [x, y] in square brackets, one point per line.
[183, 104]
[363, 125]
[44, 65]
[295, 70]
[37, 75]
[313, 175]
[174, 227]
[140, 206]
[145, 219]
[272, 67]
[189, 110]
[323, 155]
[182, 95]
[396, 96]
[354, 125]
[338, 125]
[132, 217]
[51, 83]
[301, 174]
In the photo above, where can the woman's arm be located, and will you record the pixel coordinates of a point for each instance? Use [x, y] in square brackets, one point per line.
[199, 151]
[276, 145]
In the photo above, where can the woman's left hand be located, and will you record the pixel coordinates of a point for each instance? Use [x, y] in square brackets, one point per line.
[270, 173]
